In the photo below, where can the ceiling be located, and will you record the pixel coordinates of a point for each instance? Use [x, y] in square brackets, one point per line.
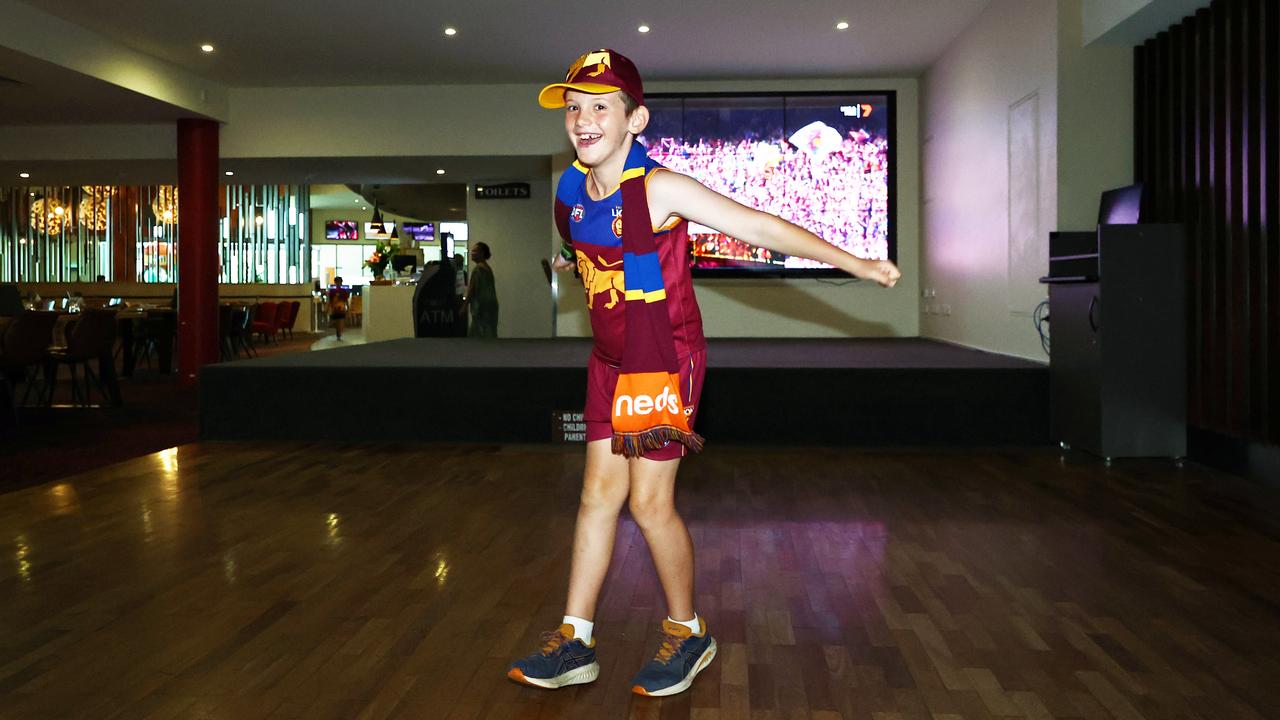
[33, 91]
[391, 42]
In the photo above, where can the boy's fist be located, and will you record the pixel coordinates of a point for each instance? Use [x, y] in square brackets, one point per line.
[881, 271]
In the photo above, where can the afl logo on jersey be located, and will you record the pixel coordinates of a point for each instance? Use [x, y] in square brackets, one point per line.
[617, 224]
[577, 213]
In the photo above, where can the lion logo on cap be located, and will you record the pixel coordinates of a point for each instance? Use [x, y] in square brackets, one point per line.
[599, 58]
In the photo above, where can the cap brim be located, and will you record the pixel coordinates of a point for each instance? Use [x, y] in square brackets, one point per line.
[552, 96]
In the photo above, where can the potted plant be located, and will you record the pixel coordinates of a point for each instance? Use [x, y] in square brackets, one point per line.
[379, 259]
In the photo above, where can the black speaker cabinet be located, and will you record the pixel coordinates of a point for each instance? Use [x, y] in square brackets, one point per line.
[1118, 377]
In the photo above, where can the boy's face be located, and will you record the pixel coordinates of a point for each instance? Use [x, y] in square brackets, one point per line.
[598, 125]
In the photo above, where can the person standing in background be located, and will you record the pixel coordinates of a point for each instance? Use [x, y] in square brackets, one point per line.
[460, 289]
[482, 295]
[339, 297]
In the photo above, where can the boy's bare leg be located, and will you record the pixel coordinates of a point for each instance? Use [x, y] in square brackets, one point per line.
[605, 485]
[653, 486]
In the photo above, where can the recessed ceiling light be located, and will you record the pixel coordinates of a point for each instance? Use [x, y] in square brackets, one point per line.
[842, 25]
[24, 175]
[450, 31]
[440, 171]
[643, 29]
[208, 48]
[229, 173]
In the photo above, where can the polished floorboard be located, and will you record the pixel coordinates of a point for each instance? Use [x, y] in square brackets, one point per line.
[385, 581]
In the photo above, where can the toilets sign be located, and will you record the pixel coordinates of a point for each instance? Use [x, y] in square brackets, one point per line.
[503, 191]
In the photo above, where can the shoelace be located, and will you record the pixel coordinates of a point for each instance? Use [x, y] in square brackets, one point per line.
[552, 640]
[670, 646]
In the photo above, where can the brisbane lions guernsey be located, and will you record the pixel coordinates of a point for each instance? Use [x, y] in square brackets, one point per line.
[594, 229]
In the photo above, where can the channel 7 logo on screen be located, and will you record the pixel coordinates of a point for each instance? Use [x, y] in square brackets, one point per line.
[856, 111]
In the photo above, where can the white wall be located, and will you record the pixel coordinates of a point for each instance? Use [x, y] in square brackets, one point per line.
[1085, 145]
[1095, 120]
[516, 232]
[1007, 55]
[1125, 23]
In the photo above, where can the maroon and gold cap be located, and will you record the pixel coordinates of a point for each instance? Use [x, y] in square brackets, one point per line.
[596, 72]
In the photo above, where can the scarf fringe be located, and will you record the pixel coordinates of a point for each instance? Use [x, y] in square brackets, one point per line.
[636, 444]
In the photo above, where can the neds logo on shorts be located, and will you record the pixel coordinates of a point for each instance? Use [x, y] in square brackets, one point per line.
[666, 401]
[645, 400]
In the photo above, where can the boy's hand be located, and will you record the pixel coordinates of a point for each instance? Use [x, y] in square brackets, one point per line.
[559, 264]
[881, 271]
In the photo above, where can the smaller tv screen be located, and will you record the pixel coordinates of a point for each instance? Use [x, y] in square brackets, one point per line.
[378, 232]
[419, 232]
[341, 230]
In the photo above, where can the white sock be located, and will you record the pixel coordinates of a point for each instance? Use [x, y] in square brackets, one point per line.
[581, 628]
[694, 625]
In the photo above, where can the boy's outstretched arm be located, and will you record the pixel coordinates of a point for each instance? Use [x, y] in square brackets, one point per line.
[671, 193]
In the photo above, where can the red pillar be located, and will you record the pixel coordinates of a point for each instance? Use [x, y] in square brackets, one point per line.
[197, 247]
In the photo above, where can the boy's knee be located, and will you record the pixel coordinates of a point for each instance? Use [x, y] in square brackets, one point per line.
[599, 497]
[650, 509]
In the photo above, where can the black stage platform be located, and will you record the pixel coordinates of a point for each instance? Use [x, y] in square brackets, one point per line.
[902, 391]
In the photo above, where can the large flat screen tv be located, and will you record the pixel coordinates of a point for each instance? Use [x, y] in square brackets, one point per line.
[823, 161]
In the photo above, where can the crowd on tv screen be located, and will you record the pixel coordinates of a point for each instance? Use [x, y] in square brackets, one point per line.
[839, 193]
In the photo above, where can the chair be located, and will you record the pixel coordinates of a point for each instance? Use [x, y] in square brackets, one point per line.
[92, 338]
[282, 318]
[23, 347]
[244, 322]
[264, 321]
[155, 333]
[10, 301]
[226, 349]
[294, 308]
[355, 310]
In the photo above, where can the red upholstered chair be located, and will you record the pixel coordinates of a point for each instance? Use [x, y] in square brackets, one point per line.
[294, 307]
[264, 323]
[282, 318]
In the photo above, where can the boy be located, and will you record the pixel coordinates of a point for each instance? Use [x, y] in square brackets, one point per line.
[622, 217]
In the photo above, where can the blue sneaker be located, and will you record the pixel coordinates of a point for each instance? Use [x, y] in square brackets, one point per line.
[682, 656]
[562, 661]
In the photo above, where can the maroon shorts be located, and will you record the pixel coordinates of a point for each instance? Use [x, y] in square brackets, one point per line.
[602, 378]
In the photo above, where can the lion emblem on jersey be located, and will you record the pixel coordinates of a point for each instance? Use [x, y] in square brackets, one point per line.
[617, 225]
[599, 279]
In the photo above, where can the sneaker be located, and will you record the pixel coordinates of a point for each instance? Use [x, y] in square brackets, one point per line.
[682, 656]
[563, 660]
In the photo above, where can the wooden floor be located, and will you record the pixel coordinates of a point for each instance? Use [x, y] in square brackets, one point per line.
[249, 581]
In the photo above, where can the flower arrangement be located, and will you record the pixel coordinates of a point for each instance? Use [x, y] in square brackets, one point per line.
[379, 259]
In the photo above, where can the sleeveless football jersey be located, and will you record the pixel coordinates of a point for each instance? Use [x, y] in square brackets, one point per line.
[594, 229]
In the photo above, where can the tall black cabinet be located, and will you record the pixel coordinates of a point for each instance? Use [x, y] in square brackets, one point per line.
[1117, 309]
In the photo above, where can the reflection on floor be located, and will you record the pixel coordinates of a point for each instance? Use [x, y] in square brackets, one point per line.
[158, 412]
[329, 339]
[316, 581]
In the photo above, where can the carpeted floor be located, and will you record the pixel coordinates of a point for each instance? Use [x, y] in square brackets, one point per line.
[157, 413]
